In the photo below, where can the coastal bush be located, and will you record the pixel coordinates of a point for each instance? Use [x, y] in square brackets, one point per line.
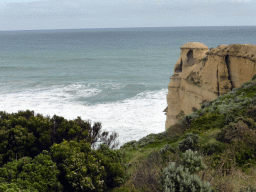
[178, 128]
[251, 112]
[224, 163]
[245, 155]
[248, 121]
[248, 90]
[148, 173]
[180, 179]
[233, 102]
[12, 187]
[167, 151]
[206, 104]
[190, 142]
[146, 140]
[112, 161]
[15, 143]
[38, 174]
[243, 140]
[230, 117]
[236, 132]
[208, 121]
[192, 161]
[166, 148]
[211, 148]
[129, 144]
[83, 169]
[24, 134]
[149, 139]
[192, 116]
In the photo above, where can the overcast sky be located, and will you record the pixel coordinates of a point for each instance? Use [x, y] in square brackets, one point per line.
[72, 14]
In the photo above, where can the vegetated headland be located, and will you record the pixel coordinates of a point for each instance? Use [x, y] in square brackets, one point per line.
[211, 149]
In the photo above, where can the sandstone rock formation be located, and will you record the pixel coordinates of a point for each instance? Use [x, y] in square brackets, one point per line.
[201, 75]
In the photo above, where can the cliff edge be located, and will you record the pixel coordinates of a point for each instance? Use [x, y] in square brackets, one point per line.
[202, 75]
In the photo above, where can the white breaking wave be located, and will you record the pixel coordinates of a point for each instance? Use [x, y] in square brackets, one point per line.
[132, 118]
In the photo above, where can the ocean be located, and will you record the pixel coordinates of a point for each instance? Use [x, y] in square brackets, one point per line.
[118, 77]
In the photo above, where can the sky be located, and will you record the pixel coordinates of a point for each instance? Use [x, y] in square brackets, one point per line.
[80, 14]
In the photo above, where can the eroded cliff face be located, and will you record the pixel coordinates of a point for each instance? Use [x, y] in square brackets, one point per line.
[201, 75]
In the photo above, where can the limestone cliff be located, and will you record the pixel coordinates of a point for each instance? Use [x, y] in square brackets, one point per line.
[201, 75]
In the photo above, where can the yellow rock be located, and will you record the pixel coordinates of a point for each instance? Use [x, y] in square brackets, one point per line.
[202, 75]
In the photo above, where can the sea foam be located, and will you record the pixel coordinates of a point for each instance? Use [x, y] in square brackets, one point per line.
[131, 118]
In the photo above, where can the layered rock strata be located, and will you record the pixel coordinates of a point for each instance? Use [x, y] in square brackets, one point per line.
[202, 75]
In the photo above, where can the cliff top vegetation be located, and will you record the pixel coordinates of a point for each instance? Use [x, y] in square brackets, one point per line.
[221, 133]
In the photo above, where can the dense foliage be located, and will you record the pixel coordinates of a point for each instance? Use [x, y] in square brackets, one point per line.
[83, 169]
[38, 174]
[54, 154]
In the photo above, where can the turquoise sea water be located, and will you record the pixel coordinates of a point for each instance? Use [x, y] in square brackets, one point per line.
[116, 76]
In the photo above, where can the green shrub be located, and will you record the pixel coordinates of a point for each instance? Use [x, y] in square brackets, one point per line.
[24, 134]
[235, 132]
[211, 148]
[245, 156]
[129, 144]
[166, 152]
[149, 139]
[112, 161]
[193, 161]
[178, 128]
[12, 187]
[208, 121]
[166, 148]
[80, 170]
[248, 90]
[192, 116]
[38, 174]
[182, 178]
[83, 169]
[179, 179]
[248, 121]
[229, 118]
[243, 139]
[190, 142]
[251, 112]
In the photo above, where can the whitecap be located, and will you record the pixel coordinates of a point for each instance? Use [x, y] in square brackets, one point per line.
[131, 118]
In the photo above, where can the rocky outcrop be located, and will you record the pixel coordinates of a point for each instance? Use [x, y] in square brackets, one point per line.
[202, 75]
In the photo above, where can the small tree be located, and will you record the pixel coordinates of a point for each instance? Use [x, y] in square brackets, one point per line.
[96, 136]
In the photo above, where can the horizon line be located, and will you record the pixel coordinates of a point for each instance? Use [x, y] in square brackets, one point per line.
[103, 28]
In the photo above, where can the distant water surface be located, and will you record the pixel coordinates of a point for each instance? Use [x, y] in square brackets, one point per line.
[116, 76]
